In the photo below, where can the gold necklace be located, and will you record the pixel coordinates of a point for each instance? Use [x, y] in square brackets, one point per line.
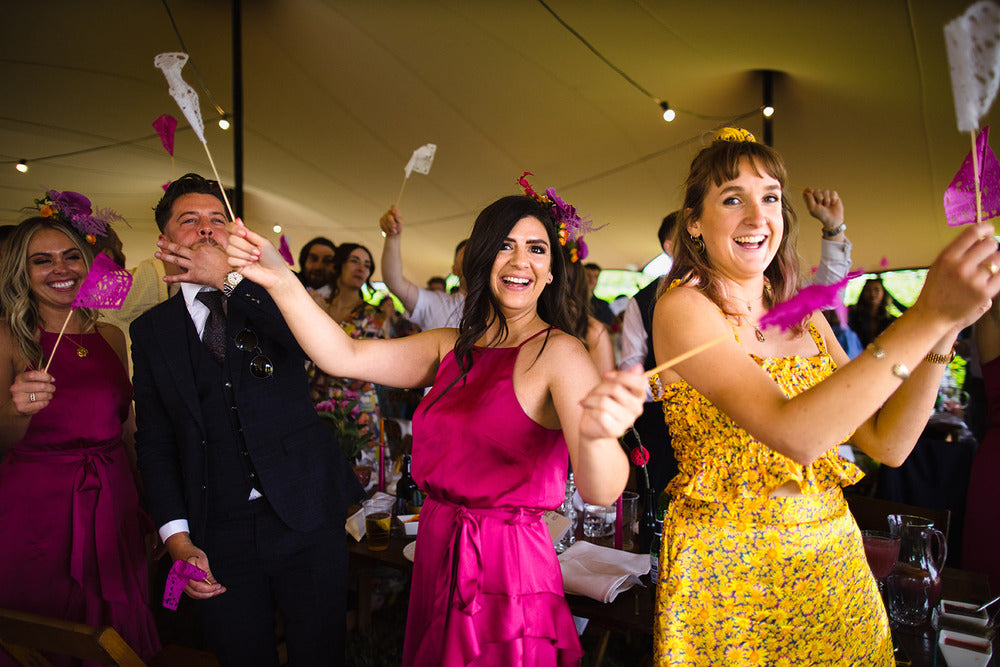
[756, 329]
[81, 351]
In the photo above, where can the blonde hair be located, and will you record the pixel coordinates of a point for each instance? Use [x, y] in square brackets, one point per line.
[18, 307]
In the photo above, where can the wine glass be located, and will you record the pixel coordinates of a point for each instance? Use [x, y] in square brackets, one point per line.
[882, 552]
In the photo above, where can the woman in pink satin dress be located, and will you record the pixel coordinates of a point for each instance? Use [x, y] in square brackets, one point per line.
[514, 399]
[69, 511]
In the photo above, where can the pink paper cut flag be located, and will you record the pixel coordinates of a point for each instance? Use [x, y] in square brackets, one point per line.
[285, 251]
[180, 573]
[166, 185]
[884, 262]
[165, 126]
[960, 197]
[809, 299]
[105, 286]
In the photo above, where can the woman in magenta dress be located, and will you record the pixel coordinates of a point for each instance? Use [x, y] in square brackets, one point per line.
[512, 396]
[69, 512]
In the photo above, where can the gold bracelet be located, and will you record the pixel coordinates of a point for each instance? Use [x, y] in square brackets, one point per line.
[935, 358]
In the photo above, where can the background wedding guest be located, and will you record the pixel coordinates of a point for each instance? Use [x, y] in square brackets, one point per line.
[69, 512]
[437, 284]
[599, 308]
[316, 265]
[582, 324]
[428, 309]
[981, 532]
[870, 315]
[758, 523]
[509, 401]
[351, 271]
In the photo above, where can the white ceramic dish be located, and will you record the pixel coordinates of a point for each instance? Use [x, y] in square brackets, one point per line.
[951, 609]
[957, 655]
[410, 550]
[410, 522]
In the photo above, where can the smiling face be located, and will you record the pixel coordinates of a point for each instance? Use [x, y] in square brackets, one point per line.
[522, 267]
[56, 267]
[356, 270]
[741, 223]
[197, 218]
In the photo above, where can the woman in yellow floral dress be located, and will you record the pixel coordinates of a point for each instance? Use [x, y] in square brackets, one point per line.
[761, 562]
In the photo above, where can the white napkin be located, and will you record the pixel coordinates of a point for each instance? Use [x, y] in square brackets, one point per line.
[355, 524]
[599, 572]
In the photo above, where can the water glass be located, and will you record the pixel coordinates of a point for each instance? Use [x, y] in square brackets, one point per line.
[630, 519]
[599, 520]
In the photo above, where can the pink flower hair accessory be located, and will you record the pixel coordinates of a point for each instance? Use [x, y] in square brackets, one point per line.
[569, 224]
[75, 210]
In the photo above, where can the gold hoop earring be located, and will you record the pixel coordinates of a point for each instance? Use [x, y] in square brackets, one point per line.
[698, 243]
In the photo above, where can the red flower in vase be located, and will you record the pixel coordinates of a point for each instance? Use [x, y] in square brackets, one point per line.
[639, 456]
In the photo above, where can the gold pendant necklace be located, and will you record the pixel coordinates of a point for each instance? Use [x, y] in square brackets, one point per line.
[81, 351]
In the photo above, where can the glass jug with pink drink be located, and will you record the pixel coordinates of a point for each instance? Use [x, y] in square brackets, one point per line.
[914, 586]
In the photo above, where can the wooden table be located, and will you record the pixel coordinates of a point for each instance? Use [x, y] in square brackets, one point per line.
[632, 611]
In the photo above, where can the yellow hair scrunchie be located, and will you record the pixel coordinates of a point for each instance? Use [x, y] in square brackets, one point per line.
[734, 134]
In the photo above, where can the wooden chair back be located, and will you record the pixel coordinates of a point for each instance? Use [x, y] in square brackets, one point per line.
[870, 513]
[24, 636]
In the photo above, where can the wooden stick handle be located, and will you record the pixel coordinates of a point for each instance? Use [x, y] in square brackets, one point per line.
[687, 355]
[52, 354]
[400, 195]
[232, 216]
[975, 178]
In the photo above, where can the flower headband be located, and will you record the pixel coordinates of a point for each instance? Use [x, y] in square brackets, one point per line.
[75, 210]
[736, 134]
[570, 225]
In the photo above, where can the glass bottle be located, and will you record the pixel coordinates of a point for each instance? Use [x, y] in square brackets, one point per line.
[647, 523]
[405, 487]
[568, 510]
[654, 552]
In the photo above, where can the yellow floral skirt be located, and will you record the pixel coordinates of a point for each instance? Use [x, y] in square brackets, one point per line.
[772, 581]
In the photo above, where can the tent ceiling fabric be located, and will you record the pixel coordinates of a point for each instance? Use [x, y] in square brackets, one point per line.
[339, 93]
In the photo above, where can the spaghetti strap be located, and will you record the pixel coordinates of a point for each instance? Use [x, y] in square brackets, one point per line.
[535, 335]
[817, 338]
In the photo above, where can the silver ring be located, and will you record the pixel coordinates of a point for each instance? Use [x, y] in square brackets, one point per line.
[993, 268]
[31, 397]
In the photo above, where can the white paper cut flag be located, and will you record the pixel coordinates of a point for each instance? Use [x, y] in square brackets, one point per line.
[973, 41]
[421, 160]
[187, 99]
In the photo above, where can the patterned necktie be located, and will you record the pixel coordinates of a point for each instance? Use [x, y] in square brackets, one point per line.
[214, 336]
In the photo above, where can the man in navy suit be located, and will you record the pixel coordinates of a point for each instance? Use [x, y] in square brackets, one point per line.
[241, 476]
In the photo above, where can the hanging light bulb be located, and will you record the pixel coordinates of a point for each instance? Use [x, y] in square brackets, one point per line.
[22, 166]
[277, 229]
[768, 111]
[224, 123]
[668, 113]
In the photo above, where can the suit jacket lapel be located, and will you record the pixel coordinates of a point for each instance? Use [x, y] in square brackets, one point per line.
[172, 336]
